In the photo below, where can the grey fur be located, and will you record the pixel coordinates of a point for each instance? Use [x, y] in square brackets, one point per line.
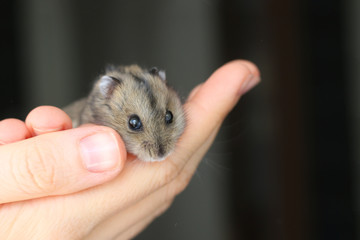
[136, 91]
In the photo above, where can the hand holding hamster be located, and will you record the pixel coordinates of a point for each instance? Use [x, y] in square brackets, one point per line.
[47, 191]
[139, 105]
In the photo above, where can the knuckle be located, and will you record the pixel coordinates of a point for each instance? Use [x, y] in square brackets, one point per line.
[170, 171]
[178, 185]
[39, 168]
[176, 176]
[182, 181]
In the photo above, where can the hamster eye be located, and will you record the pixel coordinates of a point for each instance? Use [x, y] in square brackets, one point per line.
[135, 123]
[168, 117]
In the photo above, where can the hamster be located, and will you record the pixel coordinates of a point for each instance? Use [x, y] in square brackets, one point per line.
[139, 105]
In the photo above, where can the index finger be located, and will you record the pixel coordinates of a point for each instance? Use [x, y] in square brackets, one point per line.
[47, 119]
[208, 107]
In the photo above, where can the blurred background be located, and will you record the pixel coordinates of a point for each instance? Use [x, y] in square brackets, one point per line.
[286, 162]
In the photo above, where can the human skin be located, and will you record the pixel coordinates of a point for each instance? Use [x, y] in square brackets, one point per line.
[52, 187]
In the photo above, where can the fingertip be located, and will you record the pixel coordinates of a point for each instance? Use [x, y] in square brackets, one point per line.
[243, 72]
[232, 79]
[225, 86]
[47, 119]
[13, 130]
[253, 77]
[216, 97]
[254, 70]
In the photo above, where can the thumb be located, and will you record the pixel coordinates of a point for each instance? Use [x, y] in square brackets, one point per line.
[59, 163]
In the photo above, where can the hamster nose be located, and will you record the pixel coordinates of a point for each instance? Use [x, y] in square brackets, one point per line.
[161, 151]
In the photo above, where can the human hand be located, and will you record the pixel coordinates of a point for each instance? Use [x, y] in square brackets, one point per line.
[48, 192]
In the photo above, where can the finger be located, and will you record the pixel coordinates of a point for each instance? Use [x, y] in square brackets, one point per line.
[219, 94]
[13, 130]
[60, 163]
[47, 119]
[141, 225]
[253, 80]
[207, 108]
[124, 219]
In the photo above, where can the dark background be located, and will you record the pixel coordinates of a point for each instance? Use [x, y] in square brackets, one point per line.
[286, 162]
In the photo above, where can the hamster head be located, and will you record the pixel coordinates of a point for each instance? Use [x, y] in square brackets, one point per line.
[139, 105]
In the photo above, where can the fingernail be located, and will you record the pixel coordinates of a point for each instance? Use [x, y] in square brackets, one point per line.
[249, 83]
[100, 152]
[39, 131]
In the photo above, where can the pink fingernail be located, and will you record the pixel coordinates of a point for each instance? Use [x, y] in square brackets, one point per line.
[39, 131]
[100, 152]
[249, 83]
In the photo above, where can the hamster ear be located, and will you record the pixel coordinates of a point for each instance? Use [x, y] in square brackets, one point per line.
[107, 85]
[160, 73]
